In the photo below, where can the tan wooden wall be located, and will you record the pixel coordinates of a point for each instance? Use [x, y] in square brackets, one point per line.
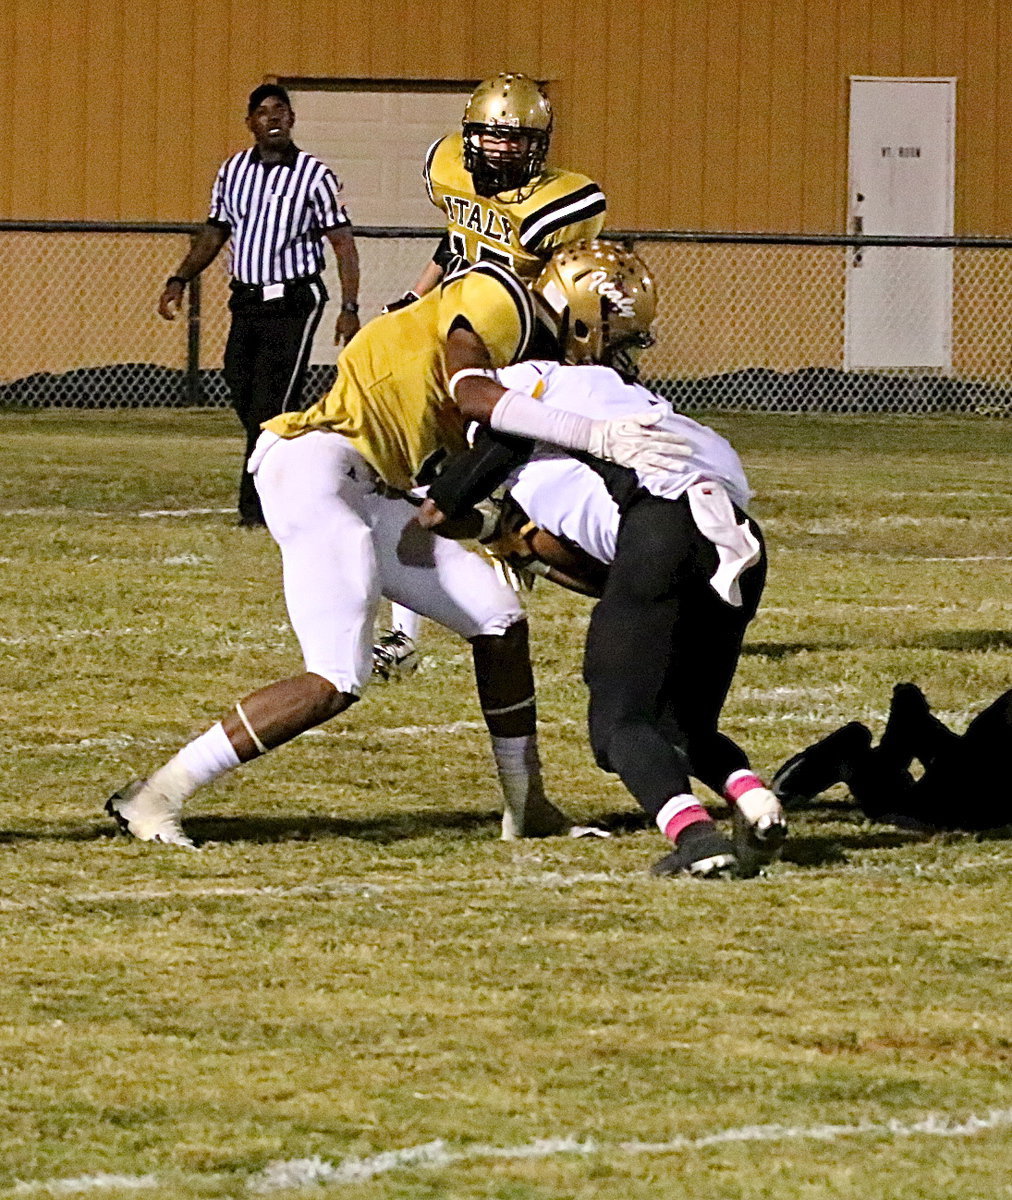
[694, 114]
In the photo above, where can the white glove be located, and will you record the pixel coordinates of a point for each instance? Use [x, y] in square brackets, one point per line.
[631, 442]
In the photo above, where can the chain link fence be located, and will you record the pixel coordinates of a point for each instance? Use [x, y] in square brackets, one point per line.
[746, 322]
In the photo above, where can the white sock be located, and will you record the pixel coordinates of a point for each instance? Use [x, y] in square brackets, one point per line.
[405, 620]
[519, 766]
[199, 761]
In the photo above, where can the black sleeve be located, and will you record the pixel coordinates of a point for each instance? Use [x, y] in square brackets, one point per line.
[467, 478]
[443, 255]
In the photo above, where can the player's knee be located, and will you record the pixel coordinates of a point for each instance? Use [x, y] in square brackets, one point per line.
[501, 622]
[325, 699]
[619, 743]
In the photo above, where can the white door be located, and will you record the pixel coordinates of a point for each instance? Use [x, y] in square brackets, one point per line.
[376, 142]
[902, 181]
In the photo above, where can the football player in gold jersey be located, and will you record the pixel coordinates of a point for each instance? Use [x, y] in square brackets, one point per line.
[502, 203]
[326, 480]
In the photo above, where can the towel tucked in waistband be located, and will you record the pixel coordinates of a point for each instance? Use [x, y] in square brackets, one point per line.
[737, 546]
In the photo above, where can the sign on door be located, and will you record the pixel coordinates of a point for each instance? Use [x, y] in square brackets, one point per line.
[902, 181]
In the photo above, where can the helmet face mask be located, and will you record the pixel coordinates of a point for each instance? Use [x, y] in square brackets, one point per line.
[507, 130]
[604, 301]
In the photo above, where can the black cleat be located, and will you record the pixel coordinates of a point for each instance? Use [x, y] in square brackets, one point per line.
[394, 656]
[913, 731]
[811, 772]
[700, 849]
[760, 830]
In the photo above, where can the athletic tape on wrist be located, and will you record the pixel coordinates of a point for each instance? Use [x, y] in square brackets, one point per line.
[249, 729]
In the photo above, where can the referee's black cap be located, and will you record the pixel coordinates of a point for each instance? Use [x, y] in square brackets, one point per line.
[261, 93]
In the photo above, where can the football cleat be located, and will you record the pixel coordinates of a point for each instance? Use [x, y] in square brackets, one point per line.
[535, 817]
[394, 656]
[701, 850]
[147, 815]
[811, 772]
[760, 830]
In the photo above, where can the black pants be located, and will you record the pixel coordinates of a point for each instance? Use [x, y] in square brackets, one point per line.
[965, 780]
[661, 652]
[265, 362]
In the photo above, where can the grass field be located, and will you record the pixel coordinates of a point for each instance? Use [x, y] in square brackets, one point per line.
[357, 990]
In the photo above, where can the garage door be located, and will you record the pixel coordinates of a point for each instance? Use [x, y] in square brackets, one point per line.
[376, 139]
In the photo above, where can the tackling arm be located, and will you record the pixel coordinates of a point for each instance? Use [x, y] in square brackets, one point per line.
[435, 268]
[629, 441]
[466, 479]
[527, 550]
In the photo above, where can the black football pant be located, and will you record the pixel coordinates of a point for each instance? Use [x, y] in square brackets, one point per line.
[661, 652]
[965, 780]
[266, 356]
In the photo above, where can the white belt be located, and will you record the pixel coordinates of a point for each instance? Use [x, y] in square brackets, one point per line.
[737, 546]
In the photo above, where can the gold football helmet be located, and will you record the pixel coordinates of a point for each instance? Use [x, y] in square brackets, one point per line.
[604, 301]
[512, 110]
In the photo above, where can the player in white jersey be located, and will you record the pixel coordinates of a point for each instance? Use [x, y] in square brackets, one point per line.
[685, 564]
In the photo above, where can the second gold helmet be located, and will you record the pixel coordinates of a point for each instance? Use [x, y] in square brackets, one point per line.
[604, 302]
[513, 108]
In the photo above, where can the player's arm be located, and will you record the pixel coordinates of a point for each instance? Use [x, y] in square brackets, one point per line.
[628, 441]
[466, 479]
[430, 277]
[568, 565]
[201, 254]
[575, 210]
[527, 548]
[510, 536]
[435, 268]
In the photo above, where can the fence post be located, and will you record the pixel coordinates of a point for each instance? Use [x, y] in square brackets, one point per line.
[192, 387]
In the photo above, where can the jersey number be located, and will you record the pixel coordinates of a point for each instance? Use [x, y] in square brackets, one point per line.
[486, 253]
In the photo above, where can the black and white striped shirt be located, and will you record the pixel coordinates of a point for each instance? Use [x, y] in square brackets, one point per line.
[276, 214]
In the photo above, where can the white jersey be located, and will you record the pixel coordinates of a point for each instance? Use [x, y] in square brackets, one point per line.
[570, 499]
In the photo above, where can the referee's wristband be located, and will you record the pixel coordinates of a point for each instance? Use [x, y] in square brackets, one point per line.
[176, 279]
[349, 306]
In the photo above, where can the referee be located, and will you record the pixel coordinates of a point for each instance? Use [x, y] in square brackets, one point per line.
[276, 203]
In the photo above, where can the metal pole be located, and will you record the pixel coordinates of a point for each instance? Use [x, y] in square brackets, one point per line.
[192, 389]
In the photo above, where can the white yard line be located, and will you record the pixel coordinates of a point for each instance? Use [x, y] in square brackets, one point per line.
[142, 514]
[433, 1155]
[324, 890]
[884, 556]
[391, 887]
[305, 1172]
[86, 1183]
[915, 494]
[120, 741]
[844, 525]
[429, 1156]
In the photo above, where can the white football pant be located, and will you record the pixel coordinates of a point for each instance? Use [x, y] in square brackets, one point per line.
[344, 545]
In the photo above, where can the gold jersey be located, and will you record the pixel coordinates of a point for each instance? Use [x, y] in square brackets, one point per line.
[391, 398]
[520, 229]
